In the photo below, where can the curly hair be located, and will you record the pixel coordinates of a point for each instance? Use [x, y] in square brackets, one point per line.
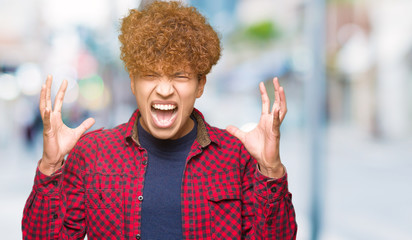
[167, 36]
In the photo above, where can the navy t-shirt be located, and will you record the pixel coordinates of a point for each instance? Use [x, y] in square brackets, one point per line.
[161, 206]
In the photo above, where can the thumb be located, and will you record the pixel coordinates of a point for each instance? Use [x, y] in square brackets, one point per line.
[86, 124]
[239, 134]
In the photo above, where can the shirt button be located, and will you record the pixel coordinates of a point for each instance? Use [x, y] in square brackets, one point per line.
[144, 162]
[140, 198]
[138, 237]
[54, 182]
[269, 222]
[55, 216]
[273, 189]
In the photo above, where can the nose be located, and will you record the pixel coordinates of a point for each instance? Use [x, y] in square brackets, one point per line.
[165, 88]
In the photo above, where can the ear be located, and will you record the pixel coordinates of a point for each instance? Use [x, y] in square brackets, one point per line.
[201, 86]
[132, 83]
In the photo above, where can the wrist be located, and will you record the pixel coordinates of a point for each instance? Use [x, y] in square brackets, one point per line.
[274, 171]
[48, 168]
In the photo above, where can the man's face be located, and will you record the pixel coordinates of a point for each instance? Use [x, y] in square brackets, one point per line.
[166, 101]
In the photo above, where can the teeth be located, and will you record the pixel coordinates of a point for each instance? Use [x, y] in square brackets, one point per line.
[164, 106]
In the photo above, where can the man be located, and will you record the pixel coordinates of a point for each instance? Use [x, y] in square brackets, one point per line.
[166, 174]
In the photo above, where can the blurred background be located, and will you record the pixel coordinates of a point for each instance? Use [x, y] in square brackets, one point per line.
[346, 67]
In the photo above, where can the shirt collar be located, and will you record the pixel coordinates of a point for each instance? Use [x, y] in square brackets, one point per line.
[205, 133]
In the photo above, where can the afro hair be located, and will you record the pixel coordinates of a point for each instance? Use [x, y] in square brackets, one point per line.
[166, 36]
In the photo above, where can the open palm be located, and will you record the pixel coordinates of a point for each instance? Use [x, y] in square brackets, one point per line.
[263, 141]
[58, 139]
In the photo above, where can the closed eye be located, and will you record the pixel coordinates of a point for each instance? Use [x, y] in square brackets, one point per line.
[149, 76]
[182, 76]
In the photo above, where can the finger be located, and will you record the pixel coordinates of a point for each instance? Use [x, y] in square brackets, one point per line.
[86, 124]
[58, 102]
[283, 105]
[236, 132]
[48, 92]
[265, 99]
[276, 121]
[42, 104]
[46, 120]
[277, 97]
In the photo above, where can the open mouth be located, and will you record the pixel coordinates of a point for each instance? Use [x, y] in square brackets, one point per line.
[164, 114]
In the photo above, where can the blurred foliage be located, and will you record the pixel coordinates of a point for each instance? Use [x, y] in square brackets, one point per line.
[259, 33]
[262, 31]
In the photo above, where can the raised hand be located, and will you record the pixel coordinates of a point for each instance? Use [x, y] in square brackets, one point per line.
[263, 141]
[58, 139]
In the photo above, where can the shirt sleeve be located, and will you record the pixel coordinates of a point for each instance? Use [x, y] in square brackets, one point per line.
[42, 214]
[55, 207]
[268, 210]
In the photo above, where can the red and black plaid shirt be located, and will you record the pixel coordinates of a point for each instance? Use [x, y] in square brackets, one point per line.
[98, 191]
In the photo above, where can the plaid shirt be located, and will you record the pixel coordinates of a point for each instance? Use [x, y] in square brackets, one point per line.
[99, 191]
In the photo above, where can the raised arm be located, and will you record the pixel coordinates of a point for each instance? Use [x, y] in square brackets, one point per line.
[268, 212]
[55, 207]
